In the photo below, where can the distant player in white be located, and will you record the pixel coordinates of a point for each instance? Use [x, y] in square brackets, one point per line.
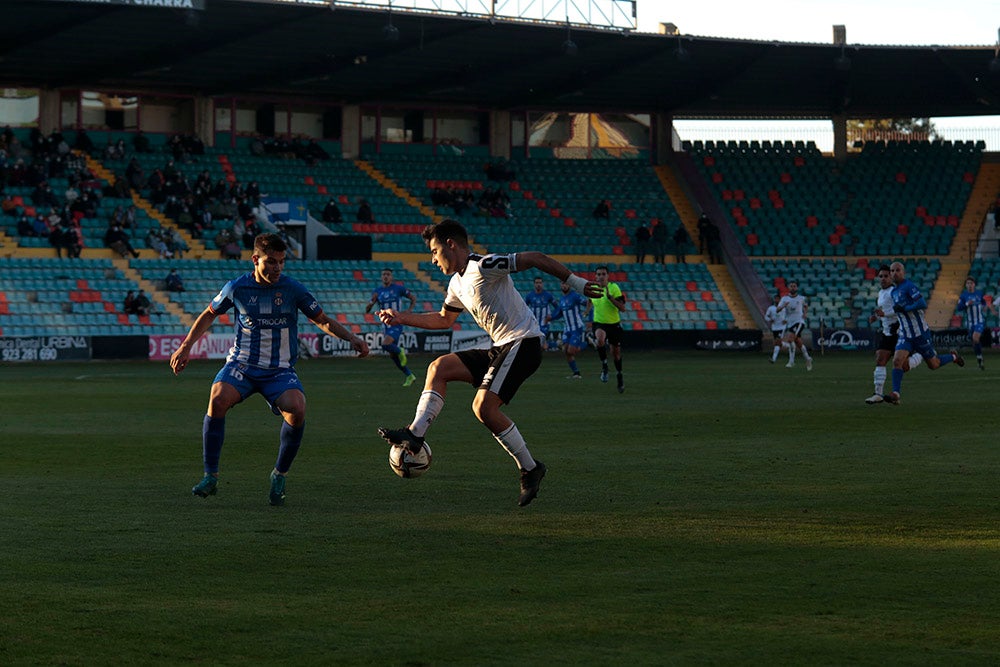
[885, 344]
[795, 308]
[481, 284]
[776, 323]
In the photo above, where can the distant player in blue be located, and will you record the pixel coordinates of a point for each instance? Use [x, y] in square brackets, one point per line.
[262, 359]
[574, 309]
[972, 301]
[914, 334]
[390, 294]
[544, 307]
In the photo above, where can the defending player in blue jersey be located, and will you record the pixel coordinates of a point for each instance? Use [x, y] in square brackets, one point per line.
[390, 294]
[262, 359]
[573, 308]
[543, 306]
[914, 334]
[972, 301]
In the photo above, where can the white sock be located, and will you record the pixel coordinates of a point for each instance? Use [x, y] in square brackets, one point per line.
[791, 354]
[915, 360]
[774, 354]
[428, 408]
[805, 354]
[880, 375]
[512, 441]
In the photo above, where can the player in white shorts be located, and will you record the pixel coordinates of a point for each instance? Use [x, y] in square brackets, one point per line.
[795, 307]
[776, 323]
[885, 344]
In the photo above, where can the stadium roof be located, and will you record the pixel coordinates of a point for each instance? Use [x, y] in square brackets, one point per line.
[251, 49]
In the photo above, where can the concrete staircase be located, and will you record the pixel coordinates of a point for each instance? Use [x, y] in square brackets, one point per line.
[689, 217]
[955, 267]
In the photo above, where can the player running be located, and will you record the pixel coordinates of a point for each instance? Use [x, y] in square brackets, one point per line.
[607, 324]
[482, 285]
[776, 323]
[795, 307]
[573, 309]
[390, 294]
[887, 338]
[544, 307]
[972, 301]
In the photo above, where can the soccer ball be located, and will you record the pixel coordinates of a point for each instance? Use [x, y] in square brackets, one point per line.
[407, 464]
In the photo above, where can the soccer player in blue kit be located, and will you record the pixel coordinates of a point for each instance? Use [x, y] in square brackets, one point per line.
[262, 359]
[914, 334]
[573, 308]
[390, 295]
[543, 306]
[972, 301]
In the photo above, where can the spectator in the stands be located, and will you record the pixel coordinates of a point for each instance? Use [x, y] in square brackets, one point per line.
[44, 196]
[642, 236]
[118, 241]
[128, 305]
[364, 213]
[658, 240]
[156, 243]
[331, 212]
[174, 282]
[83, 142]
[143, 306]
[253, 193]
[603, 209]
[681, 240]
[141, 143]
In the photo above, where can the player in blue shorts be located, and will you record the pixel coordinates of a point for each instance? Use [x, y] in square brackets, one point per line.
[573, 308]
[262, 359]
[972, 301]
[390, 294]
[543, 306]
[914, 334]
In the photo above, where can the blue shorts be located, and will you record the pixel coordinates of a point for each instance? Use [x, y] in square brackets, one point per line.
[268, 382]
[921, 344]
[573, 338]
[395, 331]
[977, 328]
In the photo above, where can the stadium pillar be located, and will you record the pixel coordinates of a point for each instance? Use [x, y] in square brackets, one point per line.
[500, 134]
[204, 120]
[839, 138]
[350, 136]
[662, 141]
[48, 110]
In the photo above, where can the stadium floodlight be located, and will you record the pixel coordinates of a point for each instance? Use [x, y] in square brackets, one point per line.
[682, 54]
[995, 63]
[390, 33]
[569, 47]
[842, 63]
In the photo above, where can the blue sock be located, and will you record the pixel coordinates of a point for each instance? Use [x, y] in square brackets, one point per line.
[291, 439]
[946, 359]
[393, 351]
[897, 379]
[213, 433]
[978, 349]
[572, 367]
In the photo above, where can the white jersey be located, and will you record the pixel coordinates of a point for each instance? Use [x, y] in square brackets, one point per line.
[774, 319]
[487, 292]
[884, 303]
[794, 309]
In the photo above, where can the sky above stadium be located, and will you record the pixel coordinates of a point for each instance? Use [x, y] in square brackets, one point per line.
[914, 22]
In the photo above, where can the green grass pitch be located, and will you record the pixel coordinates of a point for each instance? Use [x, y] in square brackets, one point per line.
[721, 511]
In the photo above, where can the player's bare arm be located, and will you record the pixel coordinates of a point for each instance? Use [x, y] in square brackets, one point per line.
[371, 303]
[532, 259]
[179, 359]
[335, 328]
[442, 319]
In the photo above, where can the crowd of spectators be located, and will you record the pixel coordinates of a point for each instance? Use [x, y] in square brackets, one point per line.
[491, 202]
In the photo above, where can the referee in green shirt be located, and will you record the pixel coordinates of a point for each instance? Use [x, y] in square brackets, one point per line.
[608, 324]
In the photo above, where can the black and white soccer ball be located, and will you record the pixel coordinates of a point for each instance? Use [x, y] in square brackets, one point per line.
[407, 464]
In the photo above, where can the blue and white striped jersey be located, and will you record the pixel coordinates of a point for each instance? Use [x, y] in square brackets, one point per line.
[391, 296]
[906, 296]
[543, 305]
[267, 332]
[572, 307]
[974, 305]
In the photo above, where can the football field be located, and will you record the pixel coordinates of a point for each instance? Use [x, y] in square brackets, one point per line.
[723, 510]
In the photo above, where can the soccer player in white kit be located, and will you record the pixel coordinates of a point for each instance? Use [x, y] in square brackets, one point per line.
[776, 322]
[481, 284]
[795, 308]
[885, 345]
